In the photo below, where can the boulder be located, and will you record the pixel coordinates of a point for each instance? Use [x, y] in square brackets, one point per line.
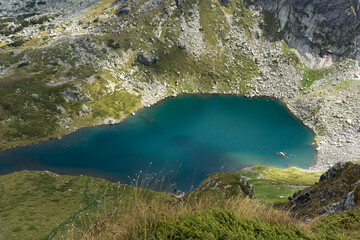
[148, 59]
[123, 10]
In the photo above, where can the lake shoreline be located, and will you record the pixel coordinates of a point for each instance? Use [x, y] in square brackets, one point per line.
[119, 121]
[187, 107]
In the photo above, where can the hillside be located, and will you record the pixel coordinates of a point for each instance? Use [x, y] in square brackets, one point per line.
[336, 191]
[70, 64]
[74, 64]
[44, 205]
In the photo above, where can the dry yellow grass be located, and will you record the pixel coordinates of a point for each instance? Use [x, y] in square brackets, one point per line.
[141, 217]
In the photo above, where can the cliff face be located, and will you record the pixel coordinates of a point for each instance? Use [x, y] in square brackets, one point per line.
[337, 190]
[323, 31]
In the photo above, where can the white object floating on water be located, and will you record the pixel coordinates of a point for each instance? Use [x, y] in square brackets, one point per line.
[281, 154]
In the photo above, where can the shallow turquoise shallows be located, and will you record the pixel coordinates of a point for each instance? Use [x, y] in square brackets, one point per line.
[184, 138]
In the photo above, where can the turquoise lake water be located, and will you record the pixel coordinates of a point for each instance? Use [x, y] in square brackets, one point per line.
[184, 138]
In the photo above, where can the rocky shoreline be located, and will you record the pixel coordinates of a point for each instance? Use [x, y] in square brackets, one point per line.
[330, 106]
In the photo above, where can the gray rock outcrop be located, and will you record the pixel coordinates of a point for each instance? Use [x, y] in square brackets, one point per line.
[71, 95]
[148, 59]
[337, 191]
[224, 183]
[323, 31]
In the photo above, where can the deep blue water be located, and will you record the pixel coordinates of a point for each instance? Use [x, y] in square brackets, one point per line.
[185, 138]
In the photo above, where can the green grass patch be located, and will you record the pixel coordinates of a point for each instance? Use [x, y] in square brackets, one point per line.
[224, 224]
[312, 75]
[40, 205]
[118, 104]
[339, 226]
[274, 185]
[291, 175]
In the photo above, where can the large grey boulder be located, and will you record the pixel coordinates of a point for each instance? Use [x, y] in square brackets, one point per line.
[148, 59]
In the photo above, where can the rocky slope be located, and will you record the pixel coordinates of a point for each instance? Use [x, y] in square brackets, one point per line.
[15, 7]
[97, 62]
[337, 190]
[322, 31]
[223, 184]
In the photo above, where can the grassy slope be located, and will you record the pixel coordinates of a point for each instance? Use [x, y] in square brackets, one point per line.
[339, 226]
[28, 100]
[273, 185]
[37, 205]
[40, 205]
[312, 75]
